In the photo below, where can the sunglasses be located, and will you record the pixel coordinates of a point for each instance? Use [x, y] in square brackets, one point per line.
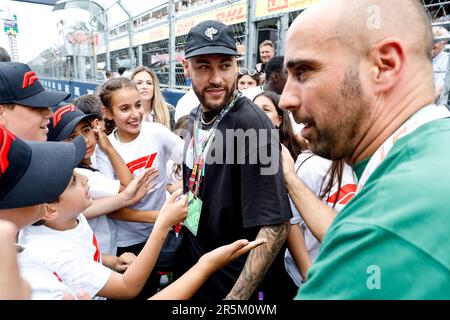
[250, 72]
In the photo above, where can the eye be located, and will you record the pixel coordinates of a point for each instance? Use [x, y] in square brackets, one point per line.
[86, 130]
[74, 179]
[123, 109]
[71, 138]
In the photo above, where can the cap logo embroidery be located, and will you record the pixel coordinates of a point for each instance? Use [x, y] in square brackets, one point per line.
[28, 79]
[6, 137]
[210, 32]
[57, 116]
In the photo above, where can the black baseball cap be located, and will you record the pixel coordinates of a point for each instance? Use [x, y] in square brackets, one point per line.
[20, 85]
[210, 37]
[64, 121]
[33, 173]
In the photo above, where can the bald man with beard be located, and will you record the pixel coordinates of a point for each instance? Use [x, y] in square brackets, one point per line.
[360, 78]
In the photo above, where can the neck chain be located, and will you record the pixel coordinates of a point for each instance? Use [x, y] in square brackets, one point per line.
[209, 122]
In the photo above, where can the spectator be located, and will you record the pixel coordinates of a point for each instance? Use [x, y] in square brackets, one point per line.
[266, 52]
[156, 109]
[24, 106]
[371, 103]
[247, 78]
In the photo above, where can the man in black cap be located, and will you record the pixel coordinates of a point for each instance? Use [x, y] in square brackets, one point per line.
[231, 199]
[24, 103]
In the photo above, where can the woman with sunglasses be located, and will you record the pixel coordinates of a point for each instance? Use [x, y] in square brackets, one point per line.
[247, 78]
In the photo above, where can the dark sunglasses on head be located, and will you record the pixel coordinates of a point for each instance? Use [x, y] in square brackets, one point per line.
[250, 72]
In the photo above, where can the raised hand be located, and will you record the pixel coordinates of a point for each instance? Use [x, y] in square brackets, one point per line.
[174, 209]
[140, 186]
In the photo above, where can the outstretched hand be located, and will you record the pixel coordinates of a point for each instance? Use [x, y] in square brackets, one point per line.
[140, 185]
[174, 209]
[224, 255]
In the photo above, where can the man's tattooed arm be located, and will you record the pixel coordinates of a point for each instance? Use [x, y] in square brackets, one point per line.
[259, 261]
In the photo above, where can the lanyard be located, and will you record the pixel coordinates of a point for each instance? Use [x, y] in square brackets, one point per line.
[199, 156]
[422, 117]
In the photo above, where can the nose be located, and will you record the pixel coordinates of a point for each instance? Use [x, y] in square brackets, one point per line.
[215, 77]
[135, 113]
[290, 98]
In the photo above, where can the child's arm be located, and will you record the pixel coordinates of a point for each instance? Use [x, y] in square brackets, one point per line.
[12, 286]
[185, 287]
[135, 191]
[298, 250]
[132, 215]
[120, 168]
[129, 284]
[119, 264]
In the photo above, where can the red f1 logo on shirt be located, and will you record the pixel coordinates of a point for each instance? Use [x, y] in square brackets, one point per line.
[144, 162]
[28, 79]
[97, 250]
[6, 138]
[57, 116]
[346, 193]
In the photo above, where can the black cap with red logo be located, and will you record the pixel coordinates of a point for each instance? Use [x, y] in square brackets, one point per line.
[33, 173]
[20, 85]
[64, 121]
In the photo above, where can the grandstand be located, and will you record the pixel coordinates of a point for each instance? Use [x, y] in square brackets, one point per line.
[156, 37]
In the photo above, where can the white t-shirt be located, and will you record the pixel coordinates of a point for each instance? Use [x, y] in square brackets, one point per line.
[312, 169]
[45, 283]
[186, 104]
[154, 146]
[104, 227]
[74, 255]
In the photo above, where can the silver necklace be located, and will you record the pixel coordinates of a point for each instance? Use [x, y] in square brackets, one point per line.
[210, 122]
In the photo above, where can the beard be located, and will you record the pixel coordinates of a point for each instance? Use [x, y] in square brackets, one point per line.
[214, 105]
[338, 138]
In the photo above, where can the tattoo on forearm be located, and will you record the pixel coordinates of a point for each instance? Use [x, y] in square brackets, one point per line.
[259, 261]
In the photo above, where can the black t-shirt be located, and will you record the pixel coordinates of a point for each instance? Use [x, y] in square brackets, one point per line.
[237, 199]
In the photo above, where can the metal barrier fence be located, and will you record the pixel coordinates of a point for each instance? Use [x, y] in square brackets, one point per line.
[158, 37]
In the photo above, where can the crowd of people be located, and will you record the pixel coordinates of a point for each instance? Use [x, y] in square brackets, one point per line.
[309, 176]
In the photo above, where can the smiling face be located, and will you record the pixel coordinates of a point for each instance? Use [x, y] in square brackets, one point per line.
[324, 92]
[127, 112]
[266, 105]
[213, 79]
[84, 129]
[266, 53]
[144, 83]
[26, 122]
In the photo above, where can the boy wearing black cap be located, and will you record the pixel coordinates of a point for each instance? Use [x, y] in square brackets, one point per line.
[29, 178]
[67, 123]
[232, 200]
[24, 103]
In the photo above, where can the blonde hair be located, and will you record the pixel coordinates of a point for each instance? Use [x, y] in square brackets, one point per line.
[159, 104]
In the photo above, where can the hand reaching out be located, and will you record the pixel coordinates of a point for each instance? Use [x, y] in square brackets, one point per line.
[224, 255]
[174, 209]
[124, 261]
[140, 186]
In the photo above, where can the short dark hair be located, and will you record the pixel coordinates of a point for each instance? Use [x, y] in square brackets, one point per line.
[275, 65]
[4, 55]
[90, 104]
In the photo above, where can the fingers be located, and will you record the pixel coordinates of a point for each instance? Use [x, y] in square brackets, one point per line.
[249, 246]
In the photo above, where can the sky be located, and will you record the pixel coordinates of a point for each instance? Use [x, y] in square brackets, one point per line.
[37, 23]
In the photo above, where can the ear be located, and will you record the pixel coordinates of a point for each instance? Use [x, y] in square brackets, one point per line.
[51, 211]
[95, 123]
[387, 60]
[186, 68]
[2, 116]
[279, 121]
[107, 113]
